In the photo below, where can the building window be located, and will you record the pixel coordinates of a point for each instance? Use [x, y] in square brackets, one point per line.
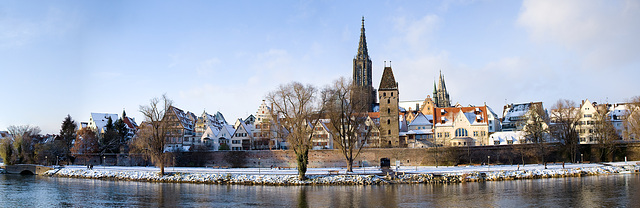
[384, 94]
[446, 134]
[388, 121]
[462, 133]
[389, 131]
[475, 133]
[388, 110]
[388, 101]
[391, 94]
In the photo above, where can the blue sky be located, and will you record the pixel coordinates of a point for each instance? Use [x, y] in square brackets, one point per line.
[78, 57]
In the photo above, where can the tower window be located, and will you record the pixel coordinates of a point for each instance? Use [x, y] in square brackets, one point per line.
[389, 132]
[388, 121]
[388, 101]
[388, 110]
[384, 94]
[392, 94]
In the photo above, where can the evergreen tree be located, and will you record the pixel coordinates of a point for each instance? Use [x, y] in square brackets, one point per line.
[121, 131]
[67, 135]
[109, 140]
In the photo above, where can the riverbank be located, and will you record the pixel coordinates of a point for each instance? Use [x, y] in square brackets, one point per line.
[328, 176]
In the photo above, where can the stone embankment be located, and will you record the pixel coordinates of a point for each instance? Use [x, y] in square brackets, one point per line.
[346, 179]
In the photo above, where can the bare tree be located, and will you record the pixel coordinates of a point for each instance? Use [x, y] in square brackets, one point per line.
[85, 144]
[632, 118]
[604, 132]
[297, 108]
[6, 150]
[536, 130]
[347, 107]
[151, 138]
[564, 117]
[23, 142]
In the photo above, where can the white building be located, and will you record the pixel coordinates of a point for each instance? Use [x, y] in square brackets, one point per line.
[210, 138]
[98, 121]
[242, 138]
[462, 126]
[516, 116]
[507, 137]
[420, 134]
[322, 137]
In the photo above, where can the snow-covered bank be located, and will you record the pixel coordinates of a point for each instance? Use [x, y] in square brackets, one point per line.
[362, 176]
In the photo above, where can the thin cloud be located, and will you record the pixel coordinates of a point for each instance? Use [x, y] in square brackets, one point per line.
[603, 33]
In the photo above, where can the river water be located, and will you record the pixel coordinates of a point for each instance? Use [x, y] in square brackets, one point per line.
[622, 190]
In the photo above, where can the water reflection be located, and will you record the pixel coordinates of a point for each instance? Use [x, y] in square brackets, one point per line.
[35, 191]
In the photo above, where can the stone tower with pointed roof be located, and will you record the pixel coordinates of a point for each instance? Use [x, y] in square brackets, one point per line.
[389, 112]
[362, 68]
[440, 94]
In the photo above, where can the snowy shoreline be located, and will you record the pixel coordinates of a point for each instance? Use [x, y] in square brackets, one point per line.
[360, 176]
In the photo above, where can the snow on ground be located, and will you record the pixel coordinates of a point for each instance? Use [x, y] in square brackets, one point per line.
[368, 175]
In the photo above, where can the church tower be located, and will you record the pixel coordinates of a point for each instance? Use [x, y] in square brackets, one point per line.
[440, 94]
[362, 68]
[389, 113]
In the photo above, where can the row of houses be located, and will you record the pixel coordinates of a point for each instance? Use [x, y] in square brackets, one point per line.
[425, 126]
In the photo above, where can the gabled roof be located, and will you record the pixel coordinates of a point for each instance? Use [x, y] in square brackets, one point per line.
[422, 120]
[229, 129]
[131, 124]
[211, 132]
[513, 112]
[473, 115]
[388, 82]
[183, 118]
[244, 126]
[101, 119]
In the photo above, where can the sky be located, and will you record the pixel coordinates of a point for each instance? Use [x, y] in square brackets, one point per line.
[60, 58]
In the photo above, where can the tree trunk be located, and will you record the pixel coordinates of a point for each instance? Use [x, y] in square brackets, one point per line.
[303, 160]
[350, 165]
[162, 168]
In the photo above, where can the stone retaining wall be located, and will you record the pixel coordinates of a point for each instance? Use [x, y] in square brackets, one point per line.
[370, 157]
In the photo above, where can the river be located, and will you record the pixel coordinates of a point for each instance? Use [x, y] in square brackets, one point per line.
[621, 190]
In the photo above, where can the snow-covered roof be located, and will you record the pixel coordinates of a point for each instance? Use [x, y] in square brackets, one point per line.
[100, 119]
[130, 122]
[411, 104]
[517, 110]
[472, 115]
[504, 137]
[185, 119]
[226, 129]
[420, 131]
[220, 118]
[211, 132]
[617, 111]
[242, 125]
[422, 120]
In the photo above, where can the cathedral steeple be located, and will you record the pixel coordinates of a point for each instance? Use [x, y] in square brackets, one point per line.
[440, 94]
[362, 68]
[363, 52]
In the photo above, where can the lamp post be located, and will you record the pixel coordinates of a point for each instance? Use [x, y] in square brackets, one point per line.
[258, 165]
[46, 161]
[488, 162]
[57, 160]
[104, 162]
